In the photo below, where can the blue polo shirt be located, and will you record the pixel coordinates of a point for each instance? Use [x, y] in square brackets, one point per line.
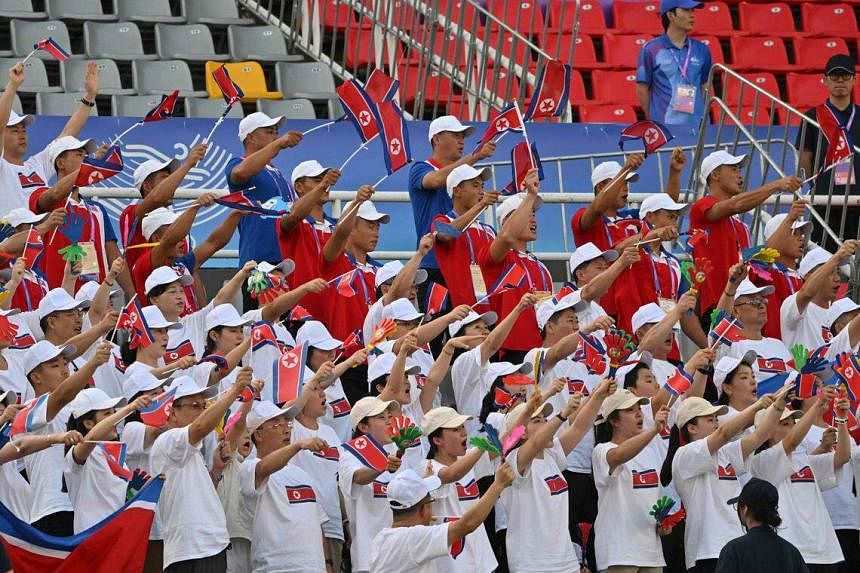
[258, 239]
[660, 65]
[426, 204]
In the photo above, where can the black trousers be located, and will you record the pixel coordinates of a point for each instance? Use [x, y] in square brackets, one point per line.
[215, 564]
[849, 541]
[61, 524]
[704, 566]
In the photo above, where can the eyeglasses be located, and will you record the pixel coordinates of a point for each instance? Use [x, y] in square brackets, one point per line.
[276, 425]
[840, 76]
[196, 405]
[757, 301]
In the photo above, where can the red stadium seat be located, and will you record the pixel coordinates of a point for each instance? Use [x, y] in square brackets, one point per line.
[766, 53]
[614, 113]
[403, 16]
[447, 46]
[637, 17]
[828, 19]
[489, 77]
[614, 87]
[763, 80]
[336, 16]
[577, 88]
[458, 106]
[523, 16]
[715, 47]
[436, 91]
[810, 54]
[358, 49]
[562, 13]
[715, 19]
[622, 51]
[519, 53]
[459, 11]
[771, 19]
[584, 57]
[805, 90]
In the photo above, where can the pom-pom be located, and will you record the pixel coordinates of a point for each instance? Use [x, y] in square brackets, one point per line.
[74, 253]
[513, 439]
[403, 432]
[485, 445]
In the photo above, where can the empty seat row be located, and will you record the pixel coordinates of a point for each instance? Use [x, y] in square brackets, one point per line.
[209, 12]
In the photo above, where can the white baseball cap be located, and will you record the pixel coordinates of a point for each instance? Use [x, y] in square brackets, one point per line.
[22, 216]
[311, 168]
[382, 365]
[442, 417]
[728, 364]
[316, 335]
[643, 357]
[156, 219]
[390, 269]
[589, 252]
[257, 120]
[775, 221]
[287, 266]
[496, 369]
[716, 159]
[693, 407]
[164, 276]
[548, 308]
[141, 381]
[367, 211]
[57, 300]
[15, 119]
[151, 166]
[838, 308]
[186, 386]
[488, 317]
[650, 313]
[87, 291]
[68, 143]
[510, 205]
[786, 413]
[367, 407]
[401, 309]
[155, 319]
[620, 400]
[659, 201]
[465, 172]
[263, 410]
[224, 315]
[407, 489]
[608, 170]
[91, 400]
[513, 415]
[447, 123]
[812, 260]
[746, 288]
[44, 351]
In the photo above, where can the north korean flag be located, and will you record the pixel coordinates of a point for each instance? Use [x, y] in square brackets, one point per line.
[803, 475]
[592, 353]
[501, 397]
[34, 247]
[512, 277]
[509, 119]
[771, 365]
[241, 202]
[522, 160]
[340, 408]
[114, 454]
[131, 319]
[556, 484]
[231, 92]
[839, 144]
[353, 343]
[23, 421]
[654, 135]
[93, 171]
[645, 479]
[331, 454]
[577, 386]
[163, 110]
[806, 386]
[53, 48]
[468, 491]
[288, 374]
[727, 331]
[552, 89]
[23, 342]
[380, 489]
[359, 107]
[158, 411]
[437, 298]
[847, 368]
[345, 283]
[368, 451]
[679, 382]
[727, 473]
[249, 394]
[458, 545]
[380, 86]
[395, 136]
[263, 333]
[301, 494]
[299, 313]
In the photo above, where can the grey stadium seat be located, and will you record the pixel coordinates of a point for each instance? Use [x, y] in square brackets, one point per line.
[35, 76]
[207, 107]
[73, 72]
[21, 9]
[60, 104]
[25, 34]
[191, 42]
[310, 80]
[119, 41]
[82, 10]
[217, 12]
[289, 108]
[134, 105]
[163, 77]
[260, 43]
[149, 11]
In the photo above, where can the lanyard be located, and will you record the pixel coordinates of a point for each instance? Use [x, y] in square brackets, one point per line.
[362, 282]
[673, 288]
[285, 194]
[850, 121]
[315, 232]
[786, 272]
[481, 228]
[683, 69]
[541, 269]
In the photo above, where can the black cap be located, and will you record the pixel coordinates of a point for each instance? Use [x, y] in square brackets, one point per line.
[757, 492]
[840, 62]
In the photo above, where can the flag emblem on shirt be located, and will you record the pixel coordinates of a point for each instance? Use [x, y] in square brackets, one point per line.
[458, 545]
[328, 453]
[25, 418]
[556, 484]
[645, 479]
[23, 342]
[727, 473]
[774, 365]
[52, 47]
[114, 453]
[846, 368]
[31, 180]
[288, 374]
[468, 491]
[839, 144]
[301, 494]
[551, 92]
[501, 397]
[340, 408]
[368, 451]
[380, 489]
[158, 411]
[803, 475]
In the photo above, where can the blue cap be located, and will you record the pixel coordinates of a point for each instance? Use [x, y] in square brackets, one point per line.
[667, 5]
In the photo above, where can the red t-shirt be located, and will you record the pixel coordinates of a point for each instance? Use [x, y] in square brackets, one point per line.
[647, 280]
[726, 239]
[454, 257]
[128, 222]
[29, 293]
[304, 245]
[785, 282]
[143, 268]
[525, 335]
[342, 315]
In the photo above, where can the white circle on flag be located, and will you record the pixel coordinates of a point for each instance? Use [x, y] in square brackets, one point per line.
[394, 146]
[364, 117]
[361, 443]
[651, 135]
[94, 178]
[289, 361]
[502, 123]
[547, 104]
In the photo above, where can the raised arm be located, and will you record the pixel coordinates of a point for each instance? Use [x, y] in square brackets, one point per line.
[608, 196]
[655, 336]
[81, 114]
[216, 240]
[843, 440]
[66, 391]
[162, 194]
[404, 279]
[676, 166]
[397, 378]
[87, 338]
[631, 447]
[437, 179]
[272, 311]
[177, 231]
[743, 202]
[257, 161]
[337, 242]
[599, 285]
[783, 230]
[56, 194]
[584, 416]
[210, 417]
[820, 277]
[498, 335]
[801, 427]
[514, 223]
[31, 444]
[488, 198]
[736, 424]
[461, 466]
[233, 359]
[103, 429]
[16, 78]
[478, 512]
[737, 273]
[101, 299]
[281, 457]
[751, 442]
[430, 330]
[303, 206]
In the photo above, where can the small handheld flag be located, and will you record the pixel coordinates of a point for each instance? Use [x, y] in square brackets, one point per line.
[358, 107]
[395, 136]
[509, 119]
[368, 451]
[345, 283]
[8, 330]
[552, 88]
[25, 418]
[158, 411]
[52, 47]
[380, 86]
[437, 298]
[240, 201]
[288, 374]
[232, 93]
[847, 368]
[839, 144]
[654, 135]
[34, 247]
[114, 453]
[132, 320]
[679, 382]
[512, 277]
[727, 331]
[521, 162]
[772, 384]
[94, 171]
[164, 109]
[262, 333]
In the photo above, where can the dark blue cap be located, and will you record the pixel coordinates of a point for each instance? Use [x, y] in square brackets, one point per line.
[667, 5]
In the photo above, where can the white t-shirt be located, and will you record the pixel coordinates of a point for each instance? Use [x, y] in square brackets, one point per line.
[840, 501]
[806, 328]
[192, 517]
[199, 372]
[840, 343]
[13, 378]
[286, 530]
[471, 381]
[322, 469]
[800, 479]
[773, 355]
[536, 504]
[624, 532]
[133, 435]
[372, 319]
[193, 330]
[237, 509]
[45, 468]
[19, 181]
[705, 483]
[93, 488]
[417, 549]
[15, 492]
[474, 554]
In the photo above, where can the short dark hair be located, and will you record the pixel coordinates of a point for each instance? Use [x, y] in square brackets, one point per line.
[630, 377]
[156, 291]
[431, 452]
[409, 510]
[763, 513]
[664, 18]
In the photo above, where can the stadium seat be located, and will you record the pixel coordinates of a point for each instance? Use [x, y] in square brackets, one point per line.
[309, 80]
[622, 51]
[805, 90]
[524, 16]
[613, 113]
[768, 19]
[64, 104]
[359, 49]
[715, 47]
[73, 72]
[21, 10]
[289, 108]
[504, 88]
[763, 80]
[247, 75]
[584, 56]
[134, 105]
[715, 19]
[206, 107]
[35, 75]
[515, 50]
[213, 12]
[810, 54]
[149, 12]
[192, 42]
[25, 34]
[459, 11]
[260, 43]
[577, 88]
[637, 17]
[403, 16]
[753, 53]
[336, 17]
[828, 19]
[436, 89]
[562, 15]
[458, 106]
[614, 87]
[162, 77]
[82, 10]
[120, 41]
[449, 47]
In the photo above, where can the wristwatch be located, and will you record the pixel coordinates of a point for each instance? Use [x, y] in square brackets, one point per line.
[707, 369]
